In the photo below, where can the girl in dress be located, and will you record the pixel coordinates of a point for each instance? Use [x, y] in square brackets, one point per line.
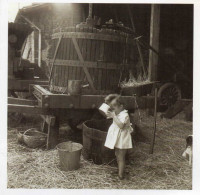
[119, 133]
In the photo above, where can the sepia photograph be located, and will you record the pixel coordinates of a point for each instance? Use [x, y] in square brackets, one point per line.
[100, 96]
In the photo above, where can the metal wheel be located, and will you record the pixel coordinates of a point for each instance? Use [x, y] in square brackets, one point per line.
[168, 94]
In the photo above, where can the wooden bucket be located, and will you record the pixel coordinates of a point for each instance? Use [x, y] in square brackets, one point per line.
[94, 136]
[107, 54]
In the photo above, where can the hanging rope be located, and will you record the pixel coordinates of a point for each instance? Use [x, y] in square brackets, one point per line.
[137, 107]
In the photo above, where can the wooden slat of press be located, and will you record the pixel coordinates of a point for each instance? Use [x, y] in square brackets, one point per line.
[118, 53]
[97, 50]
[84, 48]
[54, 76]
[114, 52]
[112, 55]
[92, 56]
[97, 57]
[72, 69]
[102, 58]
[80, 72]
[104, 71]
[88, 76]
[88, 50]
[60, 67]
[65, 57]
[94, 45]
[75, 57]
[57, 75]
[67, 49]
[106, 59]
[70, 57]
[64, 77]
[61, 75]
[54, 58]
[84, 51]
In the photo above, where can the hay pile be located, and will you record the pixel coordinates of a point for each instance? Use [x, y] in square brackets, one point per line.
[165, 169]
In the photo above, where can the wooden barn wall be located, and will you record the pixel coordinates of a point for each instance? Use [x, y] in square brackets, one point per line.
[47, 19]
[176, 46]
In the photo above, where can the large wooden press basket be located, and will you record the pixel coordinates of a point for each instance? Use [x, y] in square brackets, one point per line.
[101, 58]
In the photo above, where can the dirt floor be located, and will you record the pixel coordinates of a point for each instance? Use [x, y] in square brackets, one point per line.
[165, 169]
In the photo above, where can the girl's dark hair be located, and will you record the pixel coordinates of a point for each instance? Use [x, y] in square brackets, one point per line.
[110, 98]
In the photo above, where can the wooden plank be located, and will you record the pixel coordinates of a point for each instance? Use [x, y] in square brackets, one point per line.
[42, 90]
[23, 85]
[154, 41]
[81, 74]
[22, 101]
[64, 101]
[89, 64]
[49, 119]
[95, 36]
[26, 109]
[82, 60]
[53, 134]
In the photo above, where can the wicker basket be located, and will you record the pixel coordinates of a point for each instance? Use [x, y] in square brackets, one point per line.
[34, 138]
[20, 137]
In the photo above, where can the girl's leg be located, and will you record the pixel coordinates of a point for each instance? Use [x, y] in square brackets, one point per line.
[120, 154]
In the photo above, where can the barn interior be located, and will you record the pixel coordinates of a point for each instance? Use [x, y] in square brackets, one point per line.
[56, 77]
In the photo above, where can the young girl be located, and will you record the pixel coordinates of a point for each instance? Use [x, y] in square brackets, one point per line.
[119, 133]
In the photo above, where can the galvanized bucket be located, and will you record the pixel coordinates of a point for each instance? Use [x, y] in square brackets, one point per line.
[69, 155]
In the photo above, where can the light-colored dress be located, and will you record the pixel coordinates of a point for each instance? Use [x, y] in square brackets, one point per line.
[120, 138]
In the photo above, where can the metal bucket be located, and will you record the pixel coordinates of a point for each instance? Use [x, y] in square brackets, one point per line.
[74, 87]
[69, 155]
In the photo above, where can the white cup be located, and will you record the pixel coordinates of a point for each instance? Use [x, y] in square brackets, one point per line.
[104, 108]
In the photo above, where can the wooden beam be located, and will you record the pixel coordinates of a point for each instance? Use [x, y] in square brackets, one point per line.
[26, 109]
[23, 85]
[154, 41]
[50, 120]
[21, 101]
[53, 133]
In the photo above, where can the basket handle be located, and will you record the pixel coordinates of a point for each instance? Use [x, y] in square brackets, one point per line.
[28, 130]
